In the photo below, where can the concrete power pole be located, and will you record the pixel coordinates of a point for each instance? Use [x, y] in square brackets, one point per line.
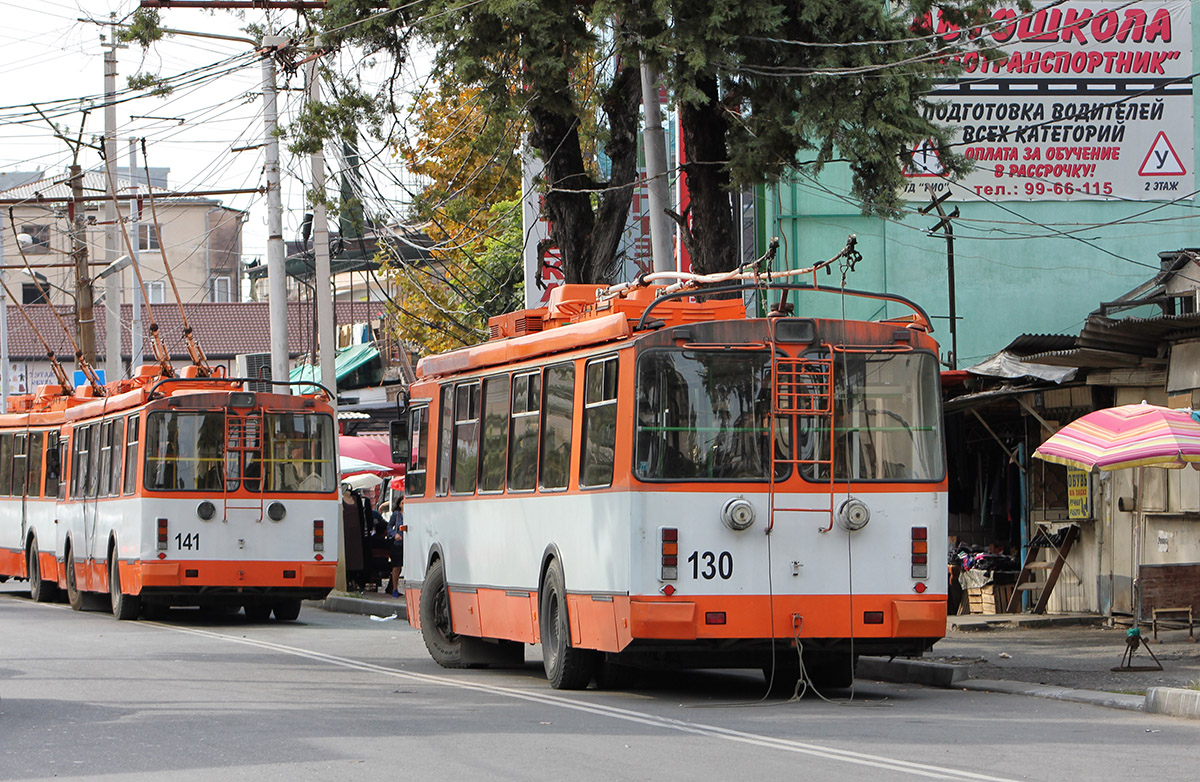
[84, 314]
[662, 231]
[113, 368]
[276, 260]
[323, 279]
[137, 349]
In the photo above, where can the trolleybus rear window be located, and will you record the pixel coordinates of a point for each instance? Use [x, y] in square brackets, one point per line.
[185, 451]
[705, 415]
[887, 424]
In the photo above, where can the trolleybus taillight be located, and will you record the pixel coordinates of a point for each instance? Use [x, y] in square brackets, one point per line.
[670, 553]
[319, 535]
[920, 552]
[162, 534]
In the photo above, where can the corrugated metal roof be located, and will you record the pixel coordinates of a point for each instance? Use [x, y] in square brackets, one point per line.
[221, 329]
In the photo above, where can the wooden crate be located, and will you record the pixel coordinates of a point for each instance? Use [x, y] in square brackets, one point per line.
[988, 599]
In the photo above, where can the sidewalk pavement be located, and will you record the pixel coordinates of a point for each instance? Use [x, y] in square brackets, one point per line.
[1083, 643]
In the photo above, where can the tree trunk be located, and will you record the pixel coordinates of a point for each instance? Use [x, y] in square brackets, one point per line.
[704, 134]
[568, 204]
[621, 106]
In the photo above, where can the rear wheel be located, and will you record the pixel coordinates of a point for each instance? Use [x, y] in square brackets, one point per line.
[833, 671]
[443, 644]
[123, 606]
[287, 610]
[258, 612]
[74, 596]
[41, 591]
[567, 667]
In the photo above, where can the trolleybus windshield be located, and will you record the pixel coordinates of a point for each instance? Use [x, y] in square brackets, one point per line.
[887, 422]
[705, 415]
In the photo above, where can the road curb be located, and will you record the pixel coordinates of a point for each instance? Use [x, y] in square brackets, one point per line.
[910, 672]
[1110, 700]
[1019, 621]
[344, 604]
[1173, 701]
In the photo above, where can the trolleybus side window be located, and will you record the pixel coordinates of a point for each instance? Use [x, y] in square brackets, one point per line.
[494, 447]
[599, 423]
[106, 460]
[887, 425]
[53, 464]
[20, 464]
[523, 431]
[79, 461]
[64, 447]
[118, 450]
[93, 481]
[559, 406]
[414, 476]
[36, 440]
[445, 441]
[131, 453]
[6, 460]
[465, 466]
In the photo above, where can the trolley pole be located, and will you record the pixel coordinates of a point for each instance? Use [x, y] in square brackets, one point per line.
[945, 225]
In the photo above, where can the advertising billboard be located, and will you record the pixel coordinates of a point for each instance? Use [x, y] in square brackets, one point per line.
[1085, 101]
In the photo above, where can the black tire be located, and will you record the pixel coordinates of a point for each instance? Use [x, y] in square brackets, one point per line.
[782, 680]
[124, 607]
[832, 671]
[287, 610]
[257, 612]
[74, 595]
[567, 668]
[443, 644]
[615, 676]
[41, 591]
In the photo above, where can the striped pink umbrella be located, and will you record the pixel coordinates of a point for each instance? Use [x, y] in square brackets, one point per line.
[1128, 436]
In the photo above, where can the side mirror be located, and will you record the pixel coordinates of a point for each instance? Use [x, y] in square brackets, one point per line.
[398, 431]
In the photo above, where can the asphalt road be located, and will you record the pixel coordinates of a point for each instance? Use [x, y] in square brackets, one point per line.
[343, 697]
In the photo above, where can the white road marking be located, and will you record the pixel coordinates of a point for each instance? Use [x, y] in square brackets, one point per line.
[627, 715]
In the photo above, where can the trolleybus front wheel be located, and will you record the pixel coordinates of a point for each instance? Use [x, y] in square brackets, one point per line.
[123, 606]
[41, 591]
[567, 667]
[444, 646]
[74, 596]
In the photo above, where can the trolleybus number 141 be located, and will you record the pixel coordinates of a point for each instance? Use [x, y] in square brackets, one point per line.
[189, 541]
[707, 565]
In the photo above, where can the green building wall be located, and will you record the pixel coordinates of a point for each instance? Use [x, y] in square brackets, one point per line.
[1013, 275]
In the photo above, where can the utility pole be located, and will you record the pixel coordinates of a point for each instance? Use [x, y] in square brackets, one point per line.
[276, 260]
[661, 228]
[3, 327]
[84, 314]
[113, 365]
[322, 279]
[947, 228]
[137, 348]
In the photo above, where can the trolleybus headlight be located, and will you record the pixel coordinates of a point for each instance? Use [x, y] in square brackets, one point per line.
[206, 511]
[276, 511]
[738, 513]
[853, 514]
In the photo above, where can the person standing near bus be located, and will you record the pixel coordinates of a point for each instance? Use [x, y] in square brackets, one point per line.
[396, 536]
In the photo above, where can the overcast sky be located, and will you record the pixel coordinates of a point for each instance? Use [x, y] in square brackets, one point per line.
[47, 55]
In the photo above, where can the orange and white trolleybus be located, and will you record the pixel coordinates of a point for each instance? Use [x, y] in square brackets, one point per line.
[641, 477]
[159, 490]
